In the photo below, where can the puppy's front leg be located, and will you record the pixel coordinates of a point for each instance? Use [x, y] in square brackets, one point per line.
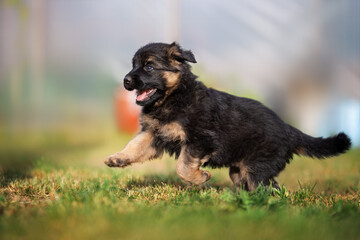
[187, 167]
[139, 149]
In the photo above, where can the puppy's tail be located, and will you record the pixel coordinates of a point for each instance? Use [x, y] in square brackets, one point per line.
[321, 147]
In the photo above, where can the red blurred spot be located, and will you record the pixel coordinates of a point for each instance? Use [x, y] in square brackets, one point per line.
[126, 111]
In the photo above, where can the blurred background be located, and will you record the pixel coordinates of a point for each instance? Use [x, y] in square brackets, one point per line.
[62, 65]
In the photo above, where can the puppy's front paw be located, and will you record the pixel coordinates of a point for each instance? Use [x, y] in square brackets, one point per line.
[201, 177]
[117, 160]
[206, 174]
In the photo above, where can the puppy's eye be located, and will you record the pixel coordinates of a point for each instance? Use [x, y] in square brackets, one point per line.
[148, 68]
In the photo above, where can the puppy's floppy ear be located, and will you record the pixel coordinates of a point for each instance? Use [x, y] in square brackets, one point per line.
[176, 52]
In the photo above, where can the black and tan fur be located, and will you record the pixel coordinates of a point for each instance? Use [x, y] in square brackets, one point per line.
[205, 127]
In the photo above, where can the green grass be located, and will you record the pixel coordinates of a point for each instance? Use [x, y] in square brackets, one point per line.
[69, 194]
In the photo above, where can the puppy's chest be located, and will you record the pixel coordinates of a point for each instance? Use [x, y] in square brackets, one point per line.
[167, 132]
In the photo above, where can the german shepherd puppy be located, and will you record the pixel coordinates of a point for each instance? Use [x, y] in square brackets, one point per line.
[205, 127]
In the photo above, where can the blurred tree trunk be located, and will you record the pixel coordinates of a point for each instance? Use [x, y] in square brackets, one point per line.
[13, 37]
[37, 44]
[173, 21]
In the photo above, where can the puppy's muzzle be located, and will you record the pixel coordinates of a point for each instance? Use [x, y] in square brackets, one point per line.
[130, 83]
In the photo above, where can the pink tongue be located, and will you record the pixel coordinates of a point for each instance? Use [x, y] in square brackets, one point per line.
[141, 96]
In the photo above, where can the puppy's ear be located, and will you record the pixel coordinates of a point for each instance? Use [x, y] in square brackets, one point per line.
[176, 52]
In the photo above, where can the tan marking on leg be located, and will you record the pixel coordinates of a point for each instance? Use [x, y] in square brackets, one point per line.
[139, 149]
[252, 185]
[187, 167]
[235, 176]
[245, 172]
[240, 174]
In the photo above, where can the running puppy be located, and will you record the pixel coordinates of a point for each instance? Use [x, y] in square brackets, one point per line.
[205, 127]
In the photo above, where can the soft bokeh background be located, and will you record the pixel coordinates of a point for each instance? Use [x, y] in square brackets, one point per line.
[61, 68]
[61, 63]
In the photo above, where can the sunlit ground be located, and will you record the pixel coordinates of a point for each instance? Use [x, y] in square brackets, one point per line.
[55, 185]
[74, 148]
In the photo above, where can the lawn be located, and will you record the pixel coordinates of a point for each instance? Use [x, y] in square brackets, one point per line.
[55, 186]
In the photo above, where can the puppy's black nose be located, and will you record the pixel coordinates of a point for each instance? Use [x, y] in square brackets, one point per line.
[129, 83]
[127, 80]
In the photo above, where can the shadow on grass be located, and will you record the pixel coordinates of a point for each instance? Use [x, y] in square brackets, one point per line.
[16, 165]
[23, 151]
[156, 180]
[172, 180]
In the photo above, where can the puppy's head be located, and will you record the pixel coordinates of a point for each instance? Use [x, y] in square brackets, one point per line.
[157, 69]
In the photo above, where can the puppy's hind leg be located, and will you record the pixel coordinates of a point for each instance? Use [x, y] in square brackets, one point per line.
[236, 177]
[261, 172]
[234, 173]
[274, 184]
[187, 167]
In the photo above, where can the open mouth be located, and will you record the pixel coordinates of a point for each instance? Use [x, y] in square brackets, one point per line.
[143, 95]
